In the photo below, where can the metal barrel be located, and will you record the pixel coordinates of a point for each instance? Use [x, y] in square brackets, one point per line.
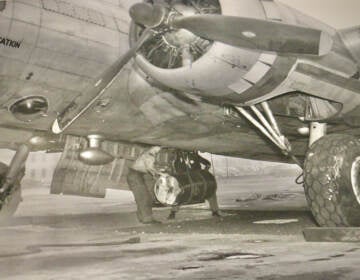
[186, 188]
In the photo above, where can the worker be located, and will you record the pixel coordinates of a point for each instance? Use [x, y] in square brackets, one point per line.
[213, 205]
[140, 184]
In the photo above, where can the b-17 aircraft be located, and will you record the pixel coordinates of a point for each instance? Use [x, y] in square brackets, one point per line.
[103, 80]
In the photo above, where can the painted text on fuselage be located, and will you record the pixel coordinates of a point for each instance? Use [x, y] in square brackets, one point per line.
[9, 43]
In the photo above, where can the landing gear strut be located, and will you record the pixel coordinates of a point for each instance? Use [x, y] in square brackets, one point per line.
[269, 127]
[10, 178]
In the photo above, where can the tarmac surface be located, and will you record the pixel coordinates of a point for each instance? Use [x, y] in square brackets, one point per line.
[260, 236]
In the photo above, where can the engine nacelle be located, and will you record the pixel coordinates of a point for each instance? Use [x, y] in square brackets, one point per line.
[190, 64]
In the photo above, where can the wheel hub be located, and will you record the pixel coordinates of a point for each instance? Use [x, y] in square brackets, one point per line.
[179, 38]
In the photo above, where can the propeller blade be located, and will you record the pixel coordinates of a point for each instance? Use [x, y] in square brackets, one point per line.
[85, 100]
[257, 34]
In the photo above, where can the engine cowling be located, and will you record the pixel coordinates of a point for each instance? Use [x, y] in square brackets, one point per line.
[187, 63]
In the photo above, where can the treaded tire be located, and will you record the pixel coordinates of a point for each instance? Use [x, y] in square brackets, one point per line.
[13, 201]
[328, 183]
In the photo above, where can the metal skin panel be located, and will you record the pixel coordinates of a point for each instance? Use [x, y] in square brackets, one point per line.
[62, 53]
[256, 72]
[351, 38]
[268, 58]
[240, 86]
[271, 10]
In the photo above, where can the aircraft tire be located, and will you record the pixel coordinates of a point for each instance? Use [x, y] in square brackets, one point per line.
[12, 202]
[332, 180]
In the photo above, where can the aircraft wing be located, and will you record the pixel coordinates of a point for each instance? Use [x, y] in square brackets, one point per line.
[187, 67]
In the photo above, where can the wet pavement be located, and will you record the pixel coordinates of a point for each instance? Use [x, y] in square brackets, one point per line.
[259, 237]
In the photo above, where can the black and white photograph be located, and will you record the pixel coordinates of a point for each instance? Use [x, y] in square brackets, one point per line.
[179, 139]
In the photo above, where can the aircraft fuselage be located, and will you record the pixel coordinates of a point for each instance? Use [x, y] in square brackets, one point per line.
[56, 49]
